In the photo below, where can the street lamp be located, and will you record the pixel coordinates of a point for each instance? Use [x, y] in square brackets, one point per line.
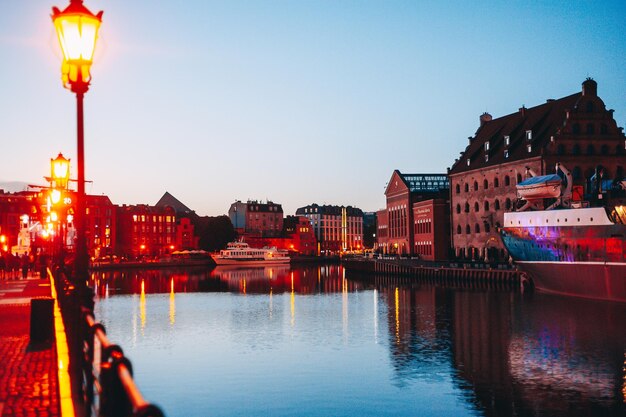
[77, 29]
[59, 172]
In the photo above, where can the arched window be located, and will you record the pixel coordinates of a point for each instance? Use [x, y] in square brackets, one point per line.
[458, 208]
[590, 129]
[476, 207]
[458, 189]
[486, 205]
[560, 149]
[467, 207]
[475, 185]
[496, 204]
[507, 204]
[576, 129]
[519, 177]
[477, 228]
[576, 149]
[591, 150]
[576, 173]
[468, 230]
[485, 184]
[487, 228]
[507, 180]
[466, 187]
[604, 149]
[458, 230]
[496, 182]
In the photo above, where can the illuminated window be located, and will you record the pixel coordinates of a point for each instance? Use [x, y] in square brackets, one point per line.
[507, 140]
[529, 135]
[529, 148]
[506, 153]
[468, 162]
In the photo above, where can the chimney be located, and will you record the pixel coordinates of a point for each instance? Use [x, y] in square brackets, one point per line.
[590, 87]
[469, 138]
[484, 118]
[522, 110]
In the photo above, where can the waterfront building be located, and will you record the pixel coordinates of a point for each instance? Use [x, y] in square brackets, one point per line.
[100, 230]
[298, 237]
[144, 230]
[577, 131]
[415, 219]
[19, 211]
[186, 219]
[336, 228]
[256, 218]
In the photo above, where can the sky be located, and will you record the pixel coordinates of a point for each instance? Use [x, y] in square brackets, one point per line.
[296, 102]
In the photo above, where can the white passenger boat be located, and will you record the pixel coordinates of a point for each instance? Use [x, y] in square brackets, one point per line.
[241, 254]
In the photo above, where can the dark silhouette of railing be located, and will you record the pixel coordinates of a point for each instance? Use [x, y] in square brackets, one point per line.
[101, 376]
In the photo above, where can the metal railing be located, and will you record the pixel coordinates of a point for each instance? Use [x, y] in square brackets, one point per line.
[102, 377]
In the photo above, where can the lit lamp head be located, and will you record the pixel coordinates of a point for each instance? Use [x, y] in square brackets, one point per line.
[77, 29]
[60, 171]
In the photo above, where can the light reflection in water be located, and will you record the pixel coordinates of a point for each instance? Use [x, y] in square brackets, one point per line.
[172, 303]
[292, 300]
[397, 305]
[344, 304]
[142, 306]
[375, 316]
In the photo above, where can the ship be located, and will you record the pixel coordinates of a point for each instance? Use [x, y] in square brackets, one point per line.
[241, 254]
[567, 247]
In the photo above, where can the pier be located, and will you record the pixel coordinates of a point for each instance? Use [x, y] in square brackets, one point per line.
[467, 275]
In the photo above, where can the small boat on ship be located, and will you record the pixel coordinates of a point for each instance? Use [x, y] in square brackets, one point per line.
[241, 254]
[544, 186]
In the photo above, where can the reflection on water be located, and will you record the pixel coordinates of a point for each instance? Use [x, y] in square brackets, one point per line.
[309, 341]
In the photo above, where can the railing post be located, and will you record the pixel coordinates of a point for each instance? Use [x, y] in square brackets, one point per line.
[113, 399]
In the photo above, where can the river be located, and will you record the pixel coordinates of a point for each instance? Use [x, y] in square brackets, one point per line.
[311, 341]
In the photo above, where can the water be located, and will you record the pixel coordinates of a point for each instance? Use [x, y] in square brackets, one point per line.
[311, 342]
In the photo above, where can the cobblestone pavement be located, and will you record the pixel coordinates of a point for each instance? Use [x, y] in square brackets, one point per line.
[28, 374]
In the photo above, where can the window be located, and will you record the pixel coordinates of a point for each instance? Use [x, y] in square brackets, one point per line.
[477, 228]
[468, 230]
[486, 205]
[487, 146]
[529, 135]
[458, 230]
[467, 188]
[468, 162]
[458, 208]
[485, 184]
[506, 153]
[487, 228]
[529, 148]
[507, 140]
[507, 180]
[496, 204]
[467, 207]
[475, 185]
[458, 188]
[476, 207]
[507, 204]
[519, 177]
[496, 182]
[486, 157]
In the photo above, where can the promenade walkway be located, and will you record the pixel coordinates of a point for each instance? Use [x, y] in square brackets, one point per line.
[28, 374]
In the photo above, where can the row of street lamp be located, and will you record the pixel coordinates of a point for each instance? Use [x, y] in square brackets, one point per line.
[77, 30]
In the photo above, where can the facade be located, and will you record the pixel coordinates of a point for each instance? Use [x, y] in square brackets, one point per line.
[20, 215]
[144, 230]
[185, 218]
[576, 131]
[257, 218]
[298, 238]
[99, 226]
[413, 216]
[336, 228]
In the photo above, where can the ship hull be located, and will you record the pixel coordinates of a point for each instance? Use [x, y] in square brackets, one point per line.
[249, 262]
[595, 280]
[576, 252]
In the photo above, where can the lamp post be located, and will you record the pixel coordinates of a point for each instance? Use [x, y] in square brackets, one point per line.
[77, 30]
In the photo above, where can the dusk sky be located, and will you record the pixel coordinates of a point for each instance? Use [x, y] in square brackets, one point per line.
[292, 101]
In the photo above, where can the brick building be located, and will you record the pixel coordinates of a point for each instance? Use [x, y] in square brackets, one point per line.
[257, 218]
[415, 219]
[185, 219]
[337, 228]
[144, 230]
[576, 131]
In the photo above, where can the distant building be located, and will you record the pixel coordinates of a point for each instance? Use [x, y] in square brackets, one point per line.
[369, 229]
[186, 221]
[19, 210]
[576, 131]
[100, 230]
[298, 237]
[144, 230]
[415, 220]
[257, 218]
[337, 228]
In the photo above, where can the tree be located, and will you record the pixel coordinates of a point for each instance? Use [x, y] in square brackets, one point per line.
[214, 232]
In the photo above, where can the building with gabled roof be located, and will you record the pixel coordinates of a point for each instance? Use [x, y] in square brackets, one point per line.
[415, 219]
[576, 131]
